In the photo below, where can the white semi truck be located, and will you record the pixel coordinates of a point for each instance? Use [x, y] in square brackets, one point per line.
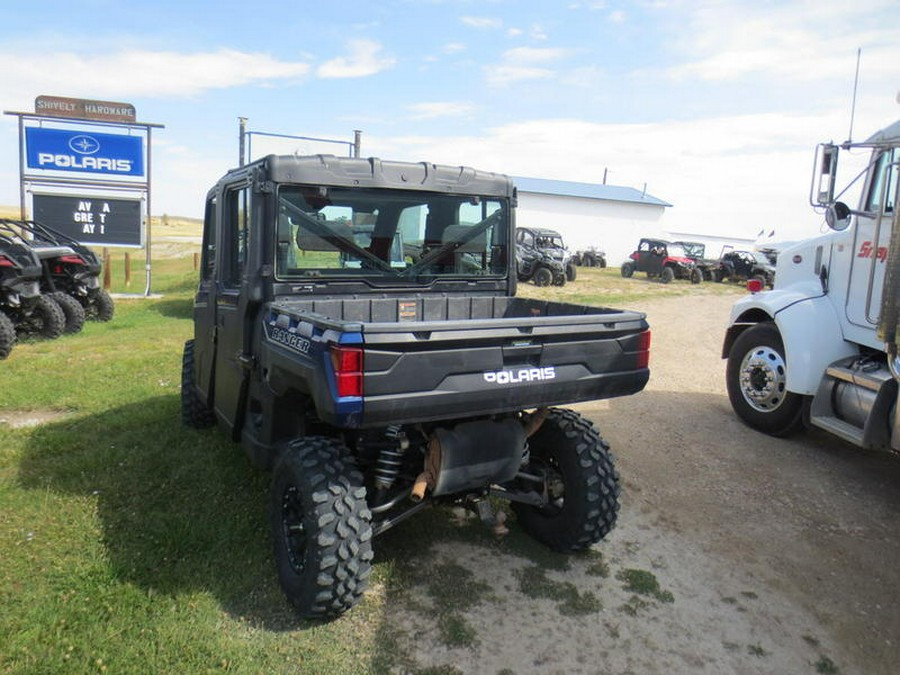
[820, 349]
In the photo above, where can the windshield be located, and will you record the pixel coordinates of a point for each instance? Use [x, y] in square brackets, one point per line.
[332, 231]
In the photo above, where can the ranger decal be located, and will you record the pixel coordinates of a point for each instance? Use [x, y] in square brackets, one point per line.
[287, 338]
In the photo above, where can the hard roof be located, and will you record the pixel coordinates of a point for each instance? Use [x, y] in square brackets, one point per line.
[564, 188]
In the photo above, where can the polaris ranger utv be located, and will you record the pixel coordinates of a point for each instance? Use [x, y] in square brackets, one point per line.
[374, 387]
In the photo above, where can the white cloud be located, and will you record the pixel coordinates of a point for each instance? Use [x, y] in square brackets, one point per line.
[724, 41]
[453, 48]
[138, 72]
[723, 175]
[364, 60]
[523, 63]
[617, 16]
[432, 110]
[481, 22]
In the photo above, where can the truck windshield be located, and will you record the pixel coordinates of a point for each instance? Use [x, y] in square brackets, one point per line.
[334, 231]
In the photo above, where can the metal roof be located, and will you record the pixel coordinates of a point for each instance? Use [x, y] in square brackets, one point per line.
[563, 188]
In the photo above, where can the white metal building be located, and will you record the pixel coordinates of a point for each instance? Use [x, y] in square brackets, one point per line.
[609, 217]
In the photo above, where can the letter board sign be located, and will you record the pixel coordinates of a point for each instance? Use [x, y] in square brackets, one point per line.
[66, 150]
[97, 221]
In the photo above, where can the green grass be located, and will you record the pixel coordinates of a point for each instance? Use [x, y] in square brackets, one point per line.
[131, 544]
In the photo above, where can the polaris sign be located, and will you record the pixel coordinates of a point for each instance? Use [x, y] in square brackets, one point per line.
[64, 150]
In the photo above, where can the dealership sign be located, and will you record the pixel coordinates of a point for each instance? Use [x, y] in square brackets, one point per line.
[85, 109]
[77, 151]
[91, 219]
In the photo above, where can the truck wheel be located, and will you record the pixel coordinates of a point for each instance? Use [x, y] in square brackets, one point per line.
[582, 481]
[667, 275]
[46, 319]
[627, 270]
[756, 377]
[696, 276]
[7, 336]
[194, 413]
[542, 277]
[72, 311]
[571, 272]
[100, 307]
[321, 527]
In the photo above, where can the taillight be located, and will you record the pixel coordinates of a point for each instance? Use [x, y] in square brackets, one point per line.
[755, 285]
[348, 370]
[643, 346]
[6, 262]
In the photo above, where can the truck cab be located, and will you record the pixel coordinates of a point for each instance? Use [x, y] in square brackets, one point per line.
[820, 349]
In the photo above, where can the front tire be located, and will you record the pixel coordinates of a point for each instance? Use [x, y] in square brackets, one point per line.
[667, 275]
[194, 413]
[627, 270]
[696, 276]
[542, 277]
[582, 483]
[7, 336]
[756, 379]
[571, 272]
[321, 526]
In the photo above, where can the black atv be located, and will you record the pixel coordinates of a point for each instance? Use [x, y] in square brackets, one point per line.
[542, 258]
[70, 270]
[24, 310]
[745, 265]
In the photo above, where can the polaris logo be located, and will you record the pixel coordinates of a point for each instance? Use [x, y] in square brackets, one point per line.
[521, 375]
[47, 160]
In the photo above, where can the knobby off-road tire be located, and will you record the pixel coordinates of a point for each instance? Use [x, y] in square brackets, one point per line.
[627, 270]
[100, 307]
[194, 413]
[583, 484]
[667, 275]
[46, 320]
[571, 272]
[542, 277]
[72, 311]
[321, 526]
[7, 336]
[696, 276]
[756, 378]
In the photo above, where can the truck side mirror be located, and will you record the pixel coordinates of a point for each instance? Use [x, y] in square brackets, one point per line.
[826, 170]
[837, 216]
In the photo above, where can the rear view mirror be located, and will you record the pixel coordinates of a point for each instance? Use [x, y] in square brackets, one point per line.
[826, 170]
[837, 216]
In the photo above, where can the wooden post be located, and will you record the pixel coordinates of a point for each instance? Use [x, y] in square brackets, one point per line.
[196, 261]
[127, 269]
[107, 275]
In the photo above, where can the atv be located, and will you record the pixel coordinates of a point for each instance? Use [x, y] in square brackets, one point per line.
[24, 310]
[69, 270]
[542, 258]
[745, 265]
[661, 260]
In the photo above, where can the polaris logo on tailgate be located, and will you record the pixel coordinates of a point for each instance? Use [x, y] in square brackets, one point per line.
[522, 375]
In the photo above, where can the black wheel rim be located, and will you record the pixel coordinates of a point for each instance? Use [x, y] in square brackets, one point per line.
[292, 528]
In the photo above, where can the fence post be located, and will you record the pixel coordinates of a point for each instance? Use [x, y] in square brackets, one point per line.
[107, 275]
[127, 269]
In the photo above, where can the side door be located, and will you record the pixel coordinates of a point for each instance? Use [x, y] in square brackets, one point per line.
[234, 213]
[204, 311]
[871, 240]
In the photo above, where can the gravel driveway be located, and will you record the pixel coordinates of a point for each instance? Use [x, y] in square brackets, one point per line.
[781, 556]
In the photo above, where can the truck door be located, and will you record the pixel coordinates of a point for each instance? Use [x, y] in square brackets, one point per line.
[229, 325]
[871, 238]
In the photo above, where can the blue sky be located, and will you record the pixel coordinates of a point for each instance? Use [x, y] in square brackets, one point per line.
[714, 106]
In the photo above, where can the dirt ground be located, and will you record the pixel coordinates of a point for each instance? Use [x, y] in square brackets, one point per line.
[781, 556]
